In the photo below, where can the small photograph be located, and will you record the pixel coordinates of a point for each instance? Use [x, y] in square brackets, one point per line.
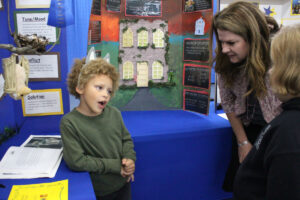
[148, 8]
[44, 142]
[295, 7]
[189, 6]
[197, 5]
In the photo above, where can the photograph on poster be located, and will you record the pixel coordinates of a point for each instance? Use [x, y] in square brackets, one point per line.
[44, 67]
[33, 3]
[43, 141]
[197, 5]
[295, 7]
[43, 102]
[196, 76]
[96, 7]
[94, 34]
[35, 22]
[148, 8]
[113, 5]
[196, 101]
[196, 50]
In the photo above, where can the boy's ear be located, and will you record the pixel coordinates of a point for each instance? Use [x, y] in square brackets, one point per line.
[79, 90]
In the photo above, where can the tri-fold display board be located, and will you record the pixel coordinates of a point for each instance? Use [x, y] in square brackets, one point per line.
[160, 48]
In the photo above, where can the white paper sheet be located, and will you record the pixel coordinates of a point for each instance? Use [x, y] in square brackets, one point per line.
[43, 66]
[33, 3]
[32, 162]
[35, 23]
[43, 102]
[223, 115]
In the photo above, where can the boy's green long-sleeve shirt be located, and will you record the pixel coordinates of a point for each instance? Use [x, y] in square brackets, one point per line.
[97, 145]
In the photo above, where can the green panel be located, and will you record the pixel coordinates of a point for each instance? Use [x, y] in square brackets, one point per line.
[172, 97]
[122, 97]
[108, 47]
[113, 49]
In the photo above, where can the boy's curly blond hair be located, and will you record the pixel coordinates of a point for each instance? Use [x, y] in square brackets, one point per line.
[81, 73]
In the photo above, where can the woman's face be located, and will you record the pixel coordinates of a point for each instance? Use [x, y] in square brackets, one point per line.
[233, 45]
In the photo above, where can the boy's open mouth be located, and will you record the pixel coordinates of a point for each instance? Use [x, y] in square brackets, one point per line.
[102, 103]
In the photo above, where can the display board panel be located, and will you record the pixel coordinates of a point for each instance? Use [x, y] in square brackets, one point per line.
[197, 101]
[196, 76]
[113, 5]
[196, 50]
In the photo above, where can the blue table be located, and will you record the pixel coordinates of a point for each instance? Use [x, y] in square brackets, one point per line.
[180, 154]
[80, 186]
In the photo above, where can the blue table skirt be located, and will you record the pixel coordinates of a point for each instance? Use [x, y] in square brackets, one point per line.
[180, 154]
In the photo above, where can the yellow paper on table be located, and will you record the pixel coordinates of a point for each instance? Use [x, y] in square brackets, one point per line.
[44, 191]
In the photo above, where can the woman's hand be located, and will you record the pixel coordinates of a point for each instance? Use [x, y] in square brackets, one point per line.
[244, 150]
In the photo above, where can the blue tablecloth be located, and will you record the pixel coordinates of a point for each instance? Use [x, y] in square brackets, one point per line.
[180, 154]
[80, 186]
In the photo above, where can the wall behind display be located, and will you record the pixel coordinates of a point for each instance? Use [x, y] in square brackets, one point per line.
[11, 114]
[279, 9]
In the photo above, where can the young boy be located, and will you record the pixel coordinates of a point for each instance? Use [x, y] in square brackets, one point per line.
[271, 170]
[94, 136]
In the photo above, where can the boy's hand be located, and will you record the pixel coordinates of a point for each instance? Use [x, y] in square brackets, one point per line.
[130, 178]
[123, 173]
[128, 165]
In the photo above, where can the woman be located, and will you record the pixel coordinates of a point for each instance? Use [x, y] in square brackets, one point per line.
[241, 62]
